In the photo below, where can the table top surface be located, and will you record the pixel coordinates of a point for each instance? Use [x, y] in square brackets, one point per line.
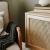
[39, 14]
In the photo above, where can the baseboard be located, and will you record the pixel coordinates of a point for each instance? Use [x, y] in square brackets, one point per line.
[34, 47]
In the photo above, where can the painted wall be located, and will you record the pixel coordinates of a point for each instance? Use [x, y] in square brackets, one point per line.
[17, 9]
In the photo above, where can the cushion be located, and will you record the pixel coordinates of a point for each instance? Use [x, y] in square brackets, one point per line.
[2, 32]
[4, 7]
[1, 21]
[13, 47]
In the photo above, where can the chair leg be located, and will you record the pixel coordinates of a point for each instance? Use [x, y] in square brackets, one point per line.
[19, 37]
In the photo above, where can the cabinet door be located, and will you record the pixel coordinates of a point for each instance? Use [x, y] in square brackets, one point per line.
[37, 33]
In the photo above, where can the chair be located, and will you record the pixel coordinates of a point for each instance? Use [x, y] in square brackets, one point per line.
[10, 27]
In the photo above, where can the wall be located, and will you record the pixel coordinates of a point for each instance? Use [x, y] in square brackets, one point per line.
[17, 9]
[31, 3]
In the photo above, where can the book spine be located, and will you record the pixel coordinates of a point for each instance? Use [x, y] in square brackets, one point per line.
[38, 10]
[48, 8]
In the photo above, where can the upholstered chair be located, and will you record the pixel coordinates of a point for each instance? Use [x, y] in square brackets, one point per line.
[10, 28]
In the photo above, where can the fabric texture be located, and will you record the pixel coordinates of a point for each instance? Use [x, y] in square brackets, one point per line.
[1, 21]
[4, 7]
[11, 38]
[10, 28]
[2, 32]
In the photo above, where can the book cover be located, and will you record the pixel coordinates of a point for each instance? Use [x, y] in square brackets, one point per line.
[42, 10]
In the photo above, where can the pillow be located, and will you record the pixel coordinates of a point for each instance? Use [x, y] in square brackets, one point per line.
[1, 21]
[3, 33]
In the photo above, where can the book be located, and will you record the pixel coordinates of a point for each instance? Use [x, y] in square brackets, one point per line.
[42, 10]
[37, 6]
[45, 8]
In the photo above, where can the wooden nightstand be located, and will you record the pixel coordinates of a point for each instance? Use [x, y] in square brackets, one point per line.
[37, 30]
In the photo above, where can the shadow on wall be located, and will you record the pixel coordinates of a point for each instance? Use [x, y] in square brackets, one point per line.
[21, 18]
[24, 7]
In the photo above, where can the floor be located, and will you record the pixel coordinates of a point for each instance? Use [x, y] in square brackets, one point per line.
[23, 46]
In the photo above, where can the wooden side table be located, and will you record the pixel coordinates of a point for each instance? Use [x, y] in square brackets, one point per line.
[37, 30]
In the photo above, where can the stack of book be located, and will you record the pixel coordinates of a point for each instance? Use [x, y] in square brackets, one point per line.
[39, 8]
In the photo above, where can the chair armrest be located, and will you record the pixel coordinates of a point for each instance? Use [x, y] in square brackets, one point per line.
[13, 28]
[19, 37]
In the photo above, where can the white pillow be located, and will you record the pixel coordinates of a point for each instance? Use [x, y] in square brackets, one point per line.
[1, 21]
[2, 32]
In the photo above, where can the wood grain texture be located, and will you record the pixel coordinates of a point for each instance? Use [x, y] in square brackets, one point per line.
[19, 37]
[37, 30]
[37, 48]
[40, 32]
